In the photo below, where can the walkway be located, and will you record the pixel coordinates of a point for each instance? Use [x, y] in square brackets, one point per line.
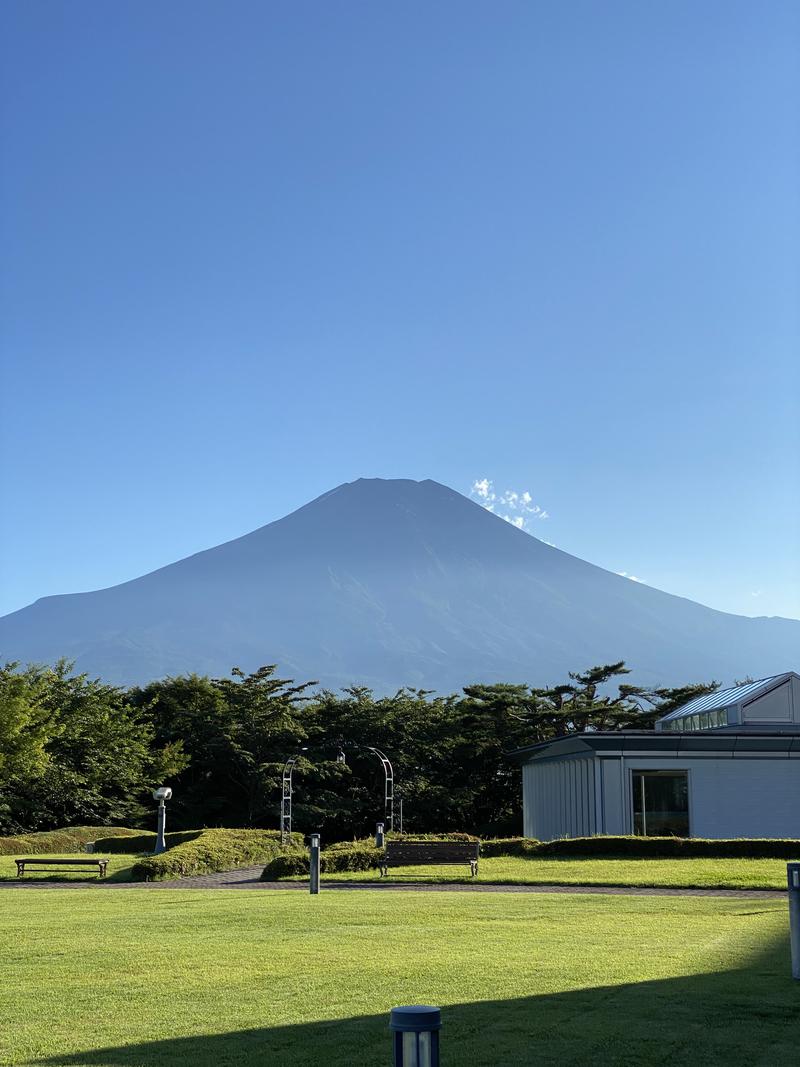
[249, 878]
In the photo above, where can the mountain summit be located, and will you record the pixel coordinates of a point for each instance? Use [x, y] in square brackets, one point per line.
[389, 583]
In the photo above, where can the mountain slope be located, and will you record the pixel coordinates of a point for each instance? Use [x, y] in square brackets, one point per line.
[392, 583]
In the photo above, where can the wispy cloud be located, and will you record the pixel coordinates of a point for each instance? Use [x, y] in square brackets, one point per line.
[631, 577]
[513, 505]
[756, 592]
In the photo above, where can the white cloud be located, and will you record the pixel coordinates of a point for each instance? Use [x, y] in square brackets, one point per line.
[630, 577]
[757, 592]
[511, 500]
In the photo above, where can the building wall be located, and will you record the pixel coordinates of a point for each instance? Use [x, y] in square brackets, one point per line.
[776, 706]
[560, 798]
[742, 797]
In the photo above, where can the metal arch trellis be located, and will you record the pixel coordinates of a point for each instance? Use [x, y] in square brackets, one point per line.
[286, 789]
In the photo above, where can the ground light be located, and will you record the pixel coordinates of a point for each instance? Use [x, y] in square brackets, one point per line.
[415, 1031]
[162, 795]
[793, 876]
[313, 865]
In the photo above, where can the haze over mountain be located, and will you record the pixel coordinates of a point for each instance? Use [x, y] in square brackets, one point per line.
[389, 583]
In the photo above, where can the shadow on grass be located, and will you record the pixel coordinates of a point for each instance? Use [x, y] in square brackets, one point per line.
[748, 1016]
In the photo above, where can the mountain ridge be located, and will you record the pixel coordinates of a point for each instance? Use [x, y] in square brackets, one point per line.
[387, 583]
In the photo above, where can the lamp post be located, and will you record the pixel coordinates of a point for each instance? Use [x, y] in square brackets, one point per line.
[313, 866]
[793, 877]
[416, 1035]
[162, 795]
[379, 835]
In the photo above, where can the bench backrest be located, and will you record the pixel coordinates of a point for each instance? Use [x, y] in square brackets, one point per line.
[432, 851]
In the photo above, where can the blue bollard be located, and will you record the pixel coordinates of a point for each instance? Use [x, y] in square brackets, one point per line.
[416, 1035]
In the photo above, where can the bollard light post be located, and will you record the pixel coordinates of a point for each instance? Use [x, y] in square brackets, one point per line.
[313, 867]
[415, 1032]
[379, 836]
[162, 795]
[793, 877]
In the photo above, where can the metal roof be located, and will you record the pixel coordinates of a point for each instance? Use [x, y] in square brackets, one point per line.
[752, 743]
[727, 698]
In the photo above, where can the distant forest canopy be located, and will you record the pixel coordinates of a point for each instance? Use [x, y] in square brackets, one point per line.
[74, 750]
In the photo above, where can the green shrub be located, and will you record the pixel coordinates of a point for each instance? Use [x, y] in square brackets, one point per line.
[70, 839]
[455, 836]
[343, 856]
[212, 850]
[671, 847]
[510, 846]
[287, 865]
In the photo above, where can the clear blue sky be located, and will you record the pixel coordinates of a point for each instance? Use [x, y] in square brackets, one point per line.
[252, 250]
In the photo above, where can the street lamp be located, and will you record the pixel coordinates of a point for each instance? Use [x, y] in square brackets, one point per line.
[416, 1035]
[162, 794]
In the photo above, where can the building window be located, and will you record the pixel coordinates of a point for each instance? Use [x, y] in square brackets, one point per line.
[661, 803]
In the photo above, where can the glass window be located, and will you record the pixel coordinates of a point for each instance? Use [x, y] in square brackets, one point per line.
[661, 803]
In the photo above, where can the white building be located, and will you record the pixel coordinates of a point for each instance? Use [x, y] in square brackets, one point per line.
[723, 765]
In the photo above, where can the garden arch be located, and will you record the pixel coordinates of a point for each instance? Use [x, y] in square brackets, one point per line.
[286, 787]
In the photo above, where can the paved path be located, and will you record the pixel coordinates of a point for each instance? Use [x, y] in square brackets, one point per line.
[249, 878]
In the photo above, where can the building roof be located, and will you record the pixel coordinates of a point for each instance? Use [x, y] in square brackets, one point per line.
[750, 744]
[726, 698]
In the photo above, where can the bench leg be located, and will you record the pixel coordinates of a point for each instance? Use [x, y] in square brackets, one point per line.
[20, 869]
[473, 867]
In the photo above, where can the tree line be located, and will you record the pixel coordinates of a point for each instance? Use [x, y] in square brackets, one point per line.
[75, 750]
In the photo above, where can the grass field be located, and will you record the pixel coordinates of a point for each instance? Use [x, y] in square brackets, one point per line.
[228, 978]
[513, 870]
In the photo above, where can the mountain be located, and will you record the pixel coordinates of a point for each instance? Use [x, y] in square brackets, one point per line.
[390, 583]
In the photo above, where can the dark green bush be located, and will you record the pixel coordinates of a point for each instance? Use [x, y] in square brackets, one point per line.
[70, 839]
[212, 850]
[671, 847]
[510, 846]
[287, 865]
[455, 836]
[343, 856]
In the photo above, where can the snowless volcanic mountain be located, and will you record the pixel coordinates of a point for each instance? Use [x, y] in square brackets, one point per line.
[390, 583]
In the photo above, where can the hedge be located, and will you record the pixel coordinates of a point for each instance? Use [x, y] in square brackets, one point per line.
[68, 839]
[345, 856]
[671, 847]
[212, 850]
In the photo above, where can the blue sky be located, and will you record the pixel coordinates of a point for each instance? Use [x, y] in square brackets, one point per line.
[254, 250]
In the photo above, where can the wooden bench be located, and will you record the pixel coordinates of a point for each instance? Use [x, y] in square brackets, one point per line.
[430, 853]
[59, 862]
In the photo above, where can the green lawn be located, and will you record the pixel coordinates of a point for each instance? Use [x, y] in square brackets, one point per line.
[118, 870]
[514, 870]
[226, 978]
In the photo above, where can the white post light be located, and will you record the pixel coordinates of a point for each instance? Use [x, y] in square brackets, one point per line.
[379, 835]
[162, 794]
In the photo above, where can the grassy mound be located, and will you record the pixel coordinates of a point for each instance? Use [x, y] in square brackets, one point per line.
[69, 839]
[207, 851]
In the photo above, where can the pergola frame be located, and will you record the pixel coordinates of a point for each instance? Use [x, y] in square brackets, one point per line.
[287, 789]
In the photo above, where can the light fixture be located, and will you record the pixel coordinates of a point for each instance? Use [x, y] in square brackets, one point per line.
[162, 794]
[416, 1035]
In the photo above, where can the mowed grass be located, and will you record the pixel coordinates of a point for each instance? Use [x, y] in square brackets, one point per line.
[134, 978]
[522, 870]
[118, 870]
